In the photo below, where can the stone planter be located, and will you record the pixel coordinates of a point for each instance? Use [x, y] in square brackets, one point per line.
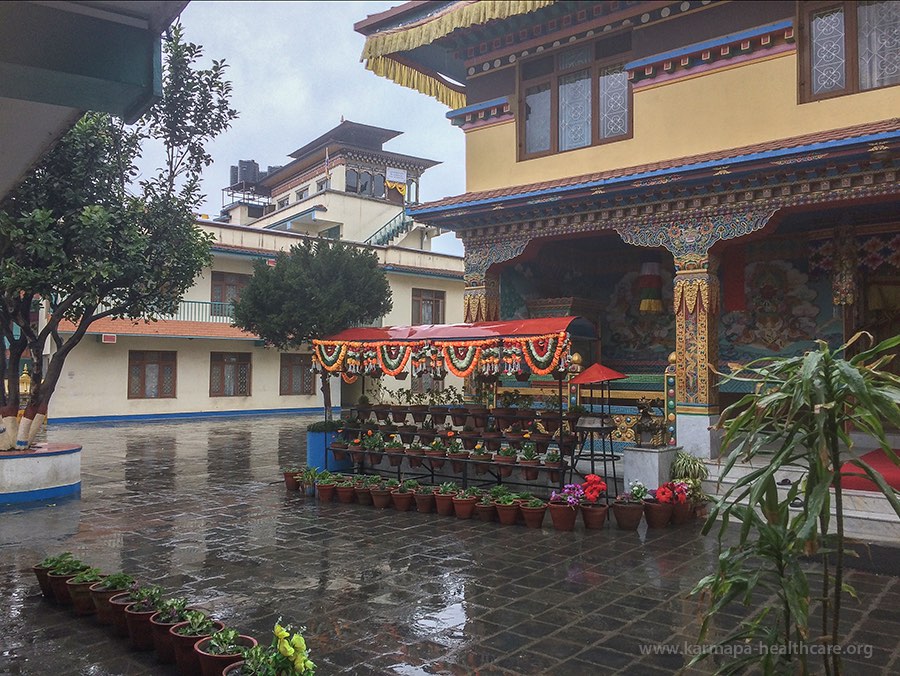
[628, 515]
[594, 516]
[563, 515]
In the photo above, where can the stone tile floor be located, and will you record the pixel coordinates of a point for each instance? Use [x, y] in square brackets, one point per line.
[198, 507]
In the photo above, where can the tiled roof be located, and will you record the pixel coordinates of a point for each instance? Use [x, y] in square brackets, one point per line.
[166, 328]
[831, 135]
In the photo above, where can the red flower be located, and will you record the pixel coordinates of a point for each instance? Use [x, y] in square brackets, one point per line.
[664, 495]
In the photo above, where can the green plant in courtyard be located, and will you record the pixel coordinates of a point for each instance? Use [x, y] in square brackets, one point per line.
[67, 566]
[88, 575]
[287, 655]
[172, 611]
[198, 624]
[448, 487]
[797, 416]
[117, 581]
[687, 466]
[223, 642]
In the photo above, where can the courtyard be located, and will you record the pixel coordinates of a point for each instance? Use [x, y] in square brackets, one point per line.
[199, 507]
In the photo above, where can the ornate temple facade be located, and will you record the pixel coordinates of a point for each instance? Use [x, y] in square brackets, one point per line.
[709, 182]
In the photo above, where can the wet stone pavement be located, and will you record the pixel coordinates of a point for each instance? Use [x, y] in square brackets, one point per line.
[199, 508]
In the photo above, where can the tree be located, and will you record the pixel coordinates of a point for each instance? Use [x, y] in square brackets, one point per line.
[317, 289]
[80, 240]
[797, 416]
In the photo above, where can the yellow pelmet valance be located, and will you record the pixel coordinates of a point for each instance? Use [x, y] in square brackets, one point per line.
[379, 46]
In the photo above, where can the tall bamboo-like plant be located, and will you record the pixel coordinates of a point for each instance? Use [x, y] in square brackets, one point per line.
[796, 417]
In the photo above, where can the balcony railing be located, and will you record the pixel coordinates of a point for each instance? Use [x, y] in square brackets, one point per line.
[200, 311]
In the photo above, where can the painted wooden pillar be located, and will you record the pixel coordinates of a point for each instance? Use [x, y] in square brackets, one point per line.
[481, 298]
[696, 300]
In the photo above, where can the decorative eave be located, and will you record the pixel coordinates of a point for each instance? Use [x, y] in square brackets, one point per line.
[728, 49]
[480, 114]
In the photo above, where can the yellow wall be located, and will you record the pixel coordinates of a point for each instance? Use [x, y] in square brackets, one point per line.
[743, 105]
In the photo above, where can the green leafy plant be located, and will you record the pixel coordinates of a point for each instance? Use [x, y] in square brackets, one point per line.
[408, 486]
[324, 426]
[507, 499]
[146, 598]
[498, 491]
[373, 441]
[448, 487]
[117, 581]
[172, 611]
[325, 477]
[223, 642]
[797, 417]
[288, 655]
[507, 452]
[552, 457]
[88, 575]
[393, 443]
[198, 623]
[424, 489]
[687, 466]
[471, 492]
[529, 452]
[535, 503]
[68, 566]
[51, 561]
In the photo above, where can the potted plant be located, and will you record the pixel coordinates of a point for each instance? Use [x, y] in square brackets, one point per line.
[533, 511]
[363, 407]
[381, 491]
[507, 507]
[484, 508]
[138, 614]
[393, 446]
[553, 462]
[121, 601]
[407, 433]
[402, 495]
[443, 498]
[564, 506]
[427, 432]
[103, 591]
[185, 634]
[418, 409]
[506, 458]
[436, 453]
[424, 497]
[170, 613]
[682, 507]
[483, 457]
[308, 478]
[355, 450]
[658, 506]
[464, 502]
[593, 511]
[42, 569]
[64, 570]
[221, 650]
[414, 454]
[469, 437]
[345, 489]
[80, 590]
[529, 461]
[290, 473]
[629, 507]
[492, 437]
[437, 408]
[457, 454]
[325, 486]
[362, 488]
[287, 655]
[550, 414]
[339, 449]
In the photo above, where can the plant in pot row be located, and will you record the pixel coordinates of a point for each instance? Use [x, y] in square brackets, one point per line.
[287, 655]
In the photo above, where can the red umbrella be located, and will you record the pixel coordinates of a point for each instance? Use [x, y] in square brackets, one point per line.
[596, 373]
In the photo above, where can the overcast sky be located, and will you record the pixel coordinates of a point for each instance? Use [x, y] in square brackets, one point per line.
[295, 70]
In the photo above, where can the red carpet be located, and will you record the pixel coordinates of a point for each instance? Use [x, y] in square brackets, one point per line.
[878, 461]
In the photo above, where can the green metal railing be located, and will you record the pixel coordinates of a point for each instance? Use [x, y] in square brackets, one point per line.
[398, 225]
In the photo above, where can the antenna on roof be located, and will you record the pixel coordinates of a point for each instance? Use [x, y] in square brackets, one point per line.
[342, 118]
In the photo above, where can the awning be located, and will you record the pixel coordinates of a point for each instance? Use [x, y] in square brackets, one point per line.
[596, 373]
[490, 348]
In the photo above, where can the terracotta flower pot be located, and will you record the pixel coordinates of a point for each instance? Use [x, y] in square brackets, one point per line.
[515, 439]
[505, 464]
[455, 459]
[563, 515]
[374, 457]
[101, 599]
[492, 440]
[339, 454]
[444, 503]
[507, 514]
[357, 456]
[682, 512]
[326, 492]
[555, 468]
[60, 588]
[382, 412]
[402, 501]
[464, 507]
[415, 457]
[541, 441]
[484, 463]
[438, 414]
[381, 498]
[234, 669]
[80, 593]
[214, 665]
[290, 481]
[117, 605]
[628, 515]
[396, 459]
[418, 413]
[398, 414]
[363, 495]
[407, 432]
[459, 415]
[346, 494]
[529, 469]
[534, 516]
[139, 630]
[594, 516]
[186, 658]
[657, 514]
[426, 436]
[424, 502]
[469, 440]
[485, 512]
[436, 458]
[162, 639]
[40, 572]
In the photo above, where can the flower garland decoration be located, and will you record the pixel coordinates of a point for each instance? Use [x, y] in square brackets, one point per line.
[353, 360]
[370, 360]
[349, 378]
[490, 360]
[419, 358]
[544, 353]
[462, 358]
[512, 359]
[393, 357]
[330, 354]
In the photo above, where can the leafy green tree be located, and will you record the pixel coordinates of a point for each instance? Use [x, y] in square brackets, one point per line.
[318, 288]
[796, 417]
[79, 238]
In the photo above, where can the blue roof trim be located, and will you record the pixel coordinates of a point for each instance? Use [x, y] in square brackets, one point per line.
[475, 107]
[709, 44]
[752, 157]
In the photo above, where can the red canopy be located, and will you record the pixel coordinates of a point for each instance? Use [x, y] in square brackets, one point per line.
[596, 373]
[575, 326]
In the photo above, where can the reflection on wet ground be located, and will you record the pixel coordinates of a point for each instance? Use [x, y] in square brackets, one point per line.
[199, 507]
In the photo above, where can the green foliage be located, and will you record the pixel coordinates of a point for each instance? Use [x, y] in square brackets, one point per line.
[172, 611]
[797, 417]
[146, 598]
[448, 488]
[324, 426]
[74, 235]
[535, 503]
[51, 561]
[88, 575]
[552, 457]
[67, 566]
[529, 451]
[198, 623]
[223, 642]
[507, 452]
[687, 466]
[117, 581]
[499, 491]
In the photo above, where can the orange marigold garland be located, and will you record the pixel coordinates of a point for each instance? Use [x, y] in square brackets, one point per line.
[349, 378]
[330, 354]
[543, 353]
[392, 357]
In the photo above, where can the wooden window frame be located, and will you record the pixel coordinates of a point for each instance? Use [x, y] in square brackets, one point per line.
[595, 66]
[305, 363]
[218, 278]
[439, 295]
[283, 203]
[132, 357]
[804, 11]
[242, 358]
[302, 194]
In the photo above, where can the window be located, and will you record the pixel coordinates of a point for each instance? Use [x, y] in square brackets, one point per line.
[333, 232]
[427, 306]
[575, 98]
[324, 184]
[848, 47]
[151, 375]
[412, 192]
[302, 194]
[365, 183]
[379, 185]
[352, 181]
[296, 374]
[229, 374]
[226, 287]
[282, 203]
